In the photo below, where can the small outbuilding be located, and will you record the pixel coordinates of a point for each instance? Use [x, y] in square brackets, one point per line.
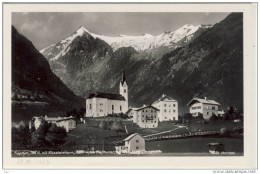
[134, 143]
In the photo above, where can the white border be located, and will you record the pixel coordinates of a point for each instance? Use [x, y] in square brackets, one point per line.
[248, 161]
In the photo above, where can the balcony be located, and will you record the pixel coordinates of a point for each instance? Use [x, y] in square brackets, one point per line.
[149, 118]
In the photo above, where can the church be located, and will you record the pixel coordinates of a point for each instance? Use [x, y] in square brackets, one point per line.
[101, 104]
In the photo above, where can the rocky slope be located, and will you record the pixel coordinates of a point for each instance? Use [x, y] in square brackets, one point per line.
[35, 88]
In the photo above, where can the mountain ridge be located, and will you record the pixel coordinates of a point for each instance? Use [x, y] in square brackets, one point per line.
[34, 85]
[205, 66]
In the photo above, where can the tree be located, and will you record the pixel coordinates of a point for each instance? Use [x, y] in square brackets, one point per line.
[55, 135]
[21, 137]
[187, 116]
[200, 115]
[38, 136]
[213, 117]
[232, 113]
[117, 126]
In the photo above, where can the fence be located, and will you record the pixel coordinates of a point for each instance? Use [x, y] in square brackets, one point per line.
[174, 136]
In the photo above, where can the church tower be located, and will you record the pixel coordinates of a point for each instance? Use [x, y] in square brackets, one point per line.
[123, 88]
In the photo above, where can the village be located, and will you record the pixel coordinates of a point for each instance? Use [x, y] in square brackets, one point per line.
[111, 126]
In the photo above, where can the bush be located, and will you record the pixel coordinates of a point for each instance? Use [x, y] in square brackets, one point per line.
[213, 117]
[21, 137]
[48, 135]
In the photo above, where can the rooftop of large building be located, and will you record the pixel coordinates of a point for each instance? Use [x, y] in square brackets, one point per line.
[163, 98]
[204, 101]
[109, 96]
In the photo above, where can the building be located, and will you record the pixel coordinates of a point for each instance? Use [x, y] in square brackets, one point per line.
[144, 117]
[101, 104]
[168, 108]
[66, 122]
[206, 107]
[131, 144]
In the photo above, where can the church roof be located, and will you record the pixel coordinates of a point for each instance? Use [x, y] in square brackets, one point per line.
[106, 95]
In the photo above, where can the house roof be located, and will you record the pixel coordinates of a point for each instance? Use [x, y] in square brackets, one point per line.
[109, 96]
[149, 106]
[57, 119]
[163, 97]
[203, 101]
[131, 136]
[130, 110]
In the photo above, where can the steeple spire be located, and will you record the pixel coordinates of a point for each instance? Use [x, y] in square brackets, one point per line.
[123, 78]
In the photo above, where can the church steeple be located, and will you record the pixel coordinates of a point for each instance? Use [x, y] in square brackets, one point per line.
[123, 88]
[123, 78]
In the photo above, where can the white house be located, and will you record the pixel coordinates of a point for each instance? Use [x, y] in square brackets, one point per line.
[204, 106]
[144, 117]
[101, 104]
[67, 123]
[168, 108]
[132, 144]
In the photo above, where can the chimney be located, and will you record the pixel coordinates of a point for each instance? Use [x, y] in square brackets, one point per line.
[144, 105]
[163, 95]
[205, 98]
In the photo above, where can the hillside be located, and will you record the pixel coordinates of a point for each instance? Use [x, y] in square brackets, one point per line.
[35, 89]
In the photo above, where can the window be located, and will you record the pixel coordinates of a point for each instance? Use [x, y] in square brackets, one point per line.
[153, 125]
[137, 147]
[213, 107]
[146, 121]
[165, 110]
[207, 113]
[174, 110]
[137, 141]
[169, 105]
[151, 121]
[154, 121]
[165, 117]
[89, 106]
[101, 110]
[173, 105]
[143, 120]
[169, 110]
[143, 115]
[124, 90]
[164, 105]
[101, 104]
[112, 107]
[120, 108]
[151, 110]
[145, 110]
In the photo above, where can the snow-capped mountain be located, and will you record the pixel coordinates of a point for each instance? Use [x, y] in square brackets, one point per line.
[143, 42]
[193, 60]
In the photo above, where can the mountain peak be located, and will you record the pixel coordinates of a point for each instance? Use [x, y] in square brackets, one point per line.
[188, 26]
[81, 30]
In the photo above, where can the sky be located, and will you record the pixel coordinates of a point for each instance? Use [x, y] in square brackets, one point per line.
[44, 29]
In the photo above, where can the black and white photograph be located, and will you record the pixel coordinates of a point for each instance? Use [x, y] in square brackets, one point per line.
[127, 84]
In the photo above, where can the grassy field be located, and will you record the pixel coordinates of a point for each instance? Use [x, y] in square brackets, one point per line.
[195, 145]
[92, 126]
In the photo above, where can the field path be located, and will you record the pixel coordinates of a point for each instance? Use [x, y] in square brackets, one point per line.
[159, 133]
